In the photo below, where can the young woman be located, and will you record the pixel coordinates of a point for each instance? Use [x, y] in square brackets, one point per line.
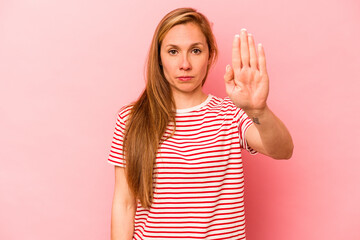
[177, 150]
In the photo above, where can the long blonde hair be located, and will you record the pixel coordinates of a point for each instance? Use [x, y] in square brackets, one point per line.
[155, 108]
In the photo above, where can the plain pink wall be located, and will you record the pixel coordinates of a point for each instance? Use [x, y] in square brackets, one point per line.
[67, 66]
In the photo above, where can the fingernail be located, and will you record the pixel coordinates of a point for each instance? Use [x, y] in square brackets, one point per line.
[227, 67]
[243, 29]
[237, 35]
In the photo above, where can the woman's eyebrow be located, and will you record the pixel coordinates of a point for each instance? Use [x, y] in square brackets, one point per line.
[192, 45]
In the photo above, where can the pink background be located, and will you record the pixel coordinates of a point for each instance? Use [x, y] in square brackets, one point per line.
[67, 66]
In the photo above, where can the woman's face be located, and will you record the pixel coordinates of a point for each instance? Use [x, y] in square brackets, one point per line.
[184, 56]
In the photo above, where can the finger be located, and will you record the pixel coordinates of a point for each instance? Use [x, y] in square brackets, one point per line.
[229, 80]
[245, 55]
[229, 74]
[236, 58]
[262, 60]
[253, 56]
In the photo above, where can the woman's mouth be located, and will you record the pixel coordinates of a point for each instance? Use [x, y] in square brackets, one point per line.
[185, 78]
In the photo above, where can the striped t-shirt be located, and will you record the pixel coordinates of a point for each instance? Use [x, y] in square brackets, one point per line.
[199, 184]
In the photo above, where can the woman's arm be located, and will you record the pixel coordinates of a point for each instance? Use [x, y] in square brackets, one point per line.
[123, 208]
[269, 136]
[247, 85]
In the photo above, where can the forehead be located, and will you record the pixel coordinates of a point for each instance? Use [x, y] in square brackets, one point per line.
[184, 34]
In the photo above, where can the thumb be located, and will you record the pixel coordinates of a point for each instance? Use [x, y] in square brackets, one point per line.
[229, 74]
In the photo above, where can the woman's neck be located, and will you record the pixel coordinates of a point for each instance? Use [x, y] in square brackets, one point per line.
[188, 100]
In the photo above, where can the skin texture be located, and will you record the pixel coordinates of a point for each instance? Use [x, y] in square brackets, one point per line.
[123, 208]
[247, 85]
[249, 88]
[184, 52]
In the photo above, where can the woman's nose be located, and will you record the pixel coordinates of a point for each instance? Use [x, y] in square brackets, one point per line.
[185, 63]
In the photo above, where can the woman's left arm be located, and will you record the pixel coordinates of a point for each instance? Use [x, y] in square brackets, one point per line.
[269, 136]
[247, 85]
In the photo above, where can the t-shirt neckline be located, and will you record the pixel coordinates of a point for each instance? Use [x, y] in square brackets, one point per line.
[197, 107]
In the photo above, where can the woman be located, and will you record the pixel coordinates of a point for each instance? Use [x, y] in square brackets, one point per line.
[177, 150]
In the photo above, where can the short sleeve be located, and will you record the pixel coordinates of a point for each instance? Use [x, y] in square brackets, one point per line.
[116, 150]
[244, 122]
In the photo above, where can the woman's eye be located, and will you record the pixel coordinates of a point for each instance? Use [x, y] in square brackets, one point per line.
[196, 51]
[172, 52]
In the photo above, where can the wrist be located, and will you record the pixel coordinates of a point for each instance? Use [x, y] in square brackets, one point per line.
[257, 112]
[257, 115]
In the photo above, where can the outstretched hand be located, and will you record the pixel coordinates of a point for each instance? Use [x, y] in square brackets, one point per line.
[247, 81]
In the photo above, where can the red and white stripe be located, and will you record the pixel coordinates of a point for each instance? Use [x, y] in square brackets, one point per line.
[199, 181]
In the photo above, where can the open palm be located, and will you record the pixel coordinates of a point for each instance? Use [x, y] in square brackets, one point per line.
[247, 81]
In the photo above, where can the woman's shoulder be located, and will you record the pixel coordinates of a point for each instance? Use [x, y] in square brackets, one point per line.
[224, 104]
[225, 107]
[124, 111]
